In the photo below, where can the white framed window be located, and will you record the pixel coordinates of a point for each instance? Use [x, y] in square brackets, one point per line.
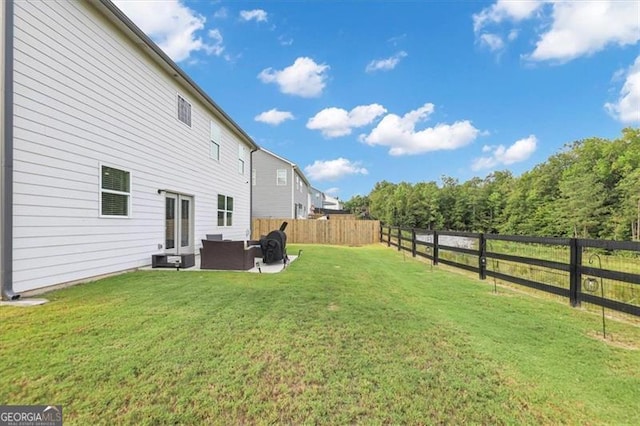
[253, 177]
[281, 177]
[225, 210]
[115, 192]
[184, 111]
[242, 153]
[214, 141]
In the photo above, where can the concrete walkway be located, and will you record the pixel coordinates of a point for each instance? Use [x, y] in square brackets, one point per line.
[259, 267]
[23, 302]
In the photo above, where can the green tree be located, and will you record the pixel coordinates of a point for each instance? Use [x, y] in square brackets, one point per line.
[591, 189]
[427, 206]
[380, 201]
[358, 205]
[498, 185]
[449, 193]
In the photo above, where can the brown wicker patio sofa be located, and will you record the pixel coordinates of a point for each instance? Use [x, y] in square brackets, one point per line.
[228, 255]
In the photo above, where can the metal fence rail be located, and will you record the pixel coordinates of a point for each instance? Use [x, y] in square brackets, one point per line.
[568, 267]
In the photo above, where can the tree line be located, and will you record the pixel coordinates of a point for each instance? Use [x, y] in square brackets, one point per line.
[590, 189]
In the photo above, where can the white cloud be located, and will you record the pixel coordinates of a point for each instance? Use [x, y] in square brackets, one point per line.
[274, 117]
[505, 10]
[493, 41]
[332, 191]
[627, 108]
[257, 15]
[402, 138]
[335, 122]
[519, 151]
[397, 39]
[304, 78]
[333, 169]
[585, 27]
[570, 28]
[385, 64]
[217, 47]
[285, 41]
[221, 13]
[171, 25]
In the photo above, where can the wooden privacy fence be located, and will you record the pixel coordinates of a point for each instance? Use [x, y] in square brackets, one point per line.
[332, 216]
[307, 231]
[598, 272]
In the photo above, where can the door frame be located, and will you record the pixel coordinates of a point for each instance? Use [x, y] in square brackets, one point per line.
[178, 228]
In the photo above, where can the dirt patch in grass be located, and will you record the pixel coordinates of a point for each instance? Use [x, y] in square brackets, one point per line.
[615, 340]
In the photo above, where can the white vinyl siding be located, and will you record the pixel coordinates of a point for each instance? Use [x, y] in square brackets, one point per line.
[301, 197]
[254, 177]
[86, 95]
[275, 194]
[270, 200]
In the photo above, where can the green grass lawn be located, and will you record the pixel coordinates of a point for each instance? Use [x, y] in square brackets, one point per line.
[345, 335]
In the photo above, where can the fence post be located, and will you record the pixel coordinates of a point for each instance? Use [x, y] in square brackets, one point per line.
[575, 271]
[482, 259]
[435, 247]
[413, 242]
[389, 237]
[381, 232]
[399, 238]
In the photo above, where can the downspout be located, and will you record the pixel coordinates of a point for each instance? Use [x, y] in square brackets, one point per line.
[293, 189]
[6, 140]
[251, 192]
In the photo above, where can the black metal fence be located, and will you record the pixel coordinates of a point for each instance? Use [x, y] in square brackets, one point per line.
[568, 267]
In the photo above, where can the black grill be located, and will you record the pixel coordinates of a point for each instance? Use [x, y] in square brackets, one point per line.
[274, 246]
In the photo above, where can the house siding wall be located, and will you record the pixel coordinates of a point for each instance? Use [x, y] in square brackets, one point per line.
[3, 6]
[85, 96]
[270, 200]
[316, 198]
[301, 195]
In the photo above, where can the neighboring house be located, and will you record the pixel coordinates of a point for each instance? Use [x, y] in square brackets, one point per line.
[332, 203]
[280, 189]
[317, 198]
[110, 152]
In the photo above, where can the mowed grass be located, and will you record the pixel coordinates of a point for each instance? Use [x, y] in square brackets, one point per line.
[345, 335]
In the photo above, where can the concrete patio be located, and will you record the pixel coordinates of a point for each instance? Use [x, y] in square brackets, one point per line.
[258, 268]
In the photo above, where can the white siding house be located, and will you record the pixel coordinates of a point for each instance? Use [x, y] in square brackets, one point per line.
[280, 189]
[317, 198]
[117, 153]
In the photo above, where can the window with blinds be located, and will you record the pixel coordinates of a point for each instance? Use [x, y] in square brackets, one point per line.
[281, 177]
[184, 111]
[242, 153]
[115, 192]
[214, 137]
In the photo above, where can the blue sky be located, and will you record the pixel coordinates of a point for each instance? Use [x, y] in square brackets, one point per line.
[356, 92]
